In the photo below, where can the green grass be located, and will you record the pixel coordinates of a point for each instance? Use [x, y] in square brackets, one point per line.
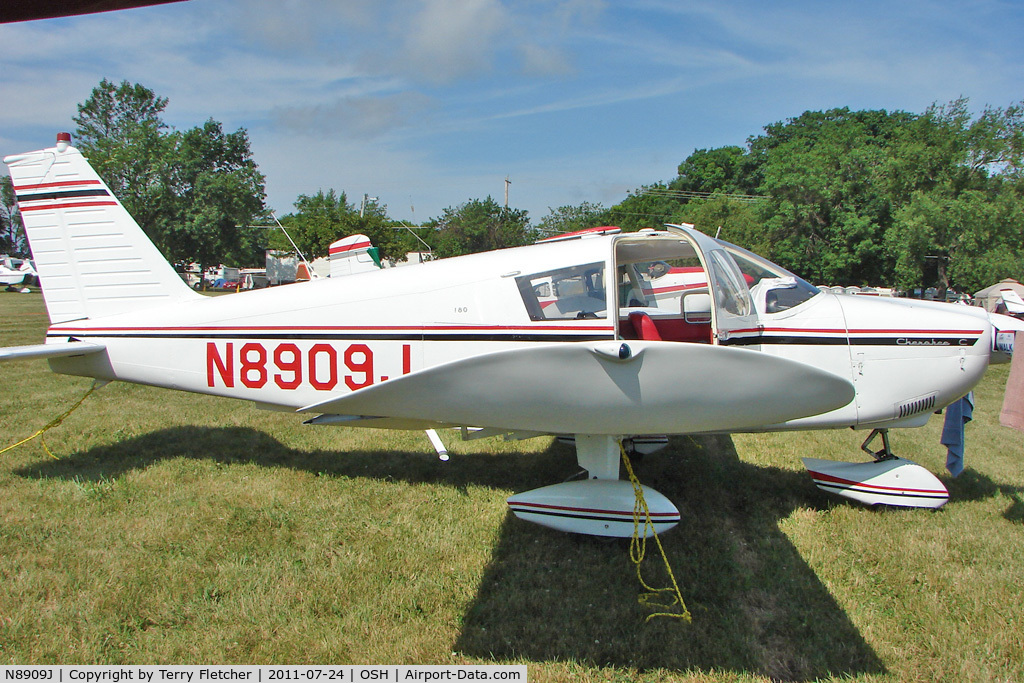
[176, 528]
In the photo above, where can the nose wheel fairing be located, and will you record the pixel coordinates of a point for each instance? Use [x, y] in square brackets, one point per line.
[889, 480]
[893, 481]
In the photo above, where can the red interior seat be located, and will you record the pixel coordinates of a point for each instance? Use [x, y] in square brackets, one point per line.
[644, 326]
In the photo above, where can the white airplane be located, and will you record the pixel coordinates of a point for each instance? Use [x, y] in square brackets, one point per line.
[469, 342]
[13, 271]
[351, 255]
[1014, 304]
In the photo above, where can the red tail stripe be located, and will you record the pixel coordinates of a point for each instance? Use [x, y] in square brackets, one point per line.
[66, 183]
[70, 205]
[350, 247]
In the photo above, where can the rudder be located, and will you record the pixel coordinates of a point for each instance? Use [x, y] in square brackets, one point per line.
[93, 259]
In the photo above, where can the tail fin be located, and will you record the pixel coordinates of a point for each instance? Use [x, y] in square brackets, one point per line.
[353, 254]
[93, 259]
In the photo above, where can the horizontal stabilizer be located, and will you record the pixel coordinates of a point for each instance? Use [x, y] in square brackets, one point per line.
[49, 350]
[635, 387]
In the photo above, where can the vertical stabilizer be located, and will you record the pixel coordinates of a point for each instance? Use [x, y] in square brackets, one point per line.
[353, 254]
[93, 259]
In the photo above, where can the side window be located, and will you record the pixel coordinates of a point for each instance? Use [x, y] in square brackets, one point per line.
[577, 292]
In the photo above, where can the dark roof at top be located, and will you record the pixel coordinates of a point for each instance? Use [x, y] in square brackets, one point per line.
[26, 10]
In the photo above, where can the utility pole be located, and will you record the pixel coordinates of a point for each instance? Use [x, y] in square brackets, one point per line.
[362, 207]
[507, 183]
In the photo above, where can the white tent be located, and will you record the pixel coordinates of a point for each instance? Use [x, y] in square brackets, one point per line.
[989, 298]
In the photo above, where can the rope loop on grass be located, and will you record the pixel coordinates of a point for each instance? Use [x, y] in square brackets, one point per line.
[54, 422]
[638, 550]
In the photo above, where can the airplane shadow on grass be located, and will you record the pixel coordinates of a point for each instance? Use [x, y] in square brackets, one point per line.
[547, 596]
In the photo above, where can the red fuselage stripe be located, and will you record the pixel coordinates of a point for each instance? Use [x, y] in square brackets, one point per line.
[846, 482]
[335, 328]
[814, 330]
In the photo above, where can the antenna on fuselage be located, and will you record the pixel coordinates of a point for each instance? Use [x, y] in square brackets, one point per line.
[309, 268]
[406, 226]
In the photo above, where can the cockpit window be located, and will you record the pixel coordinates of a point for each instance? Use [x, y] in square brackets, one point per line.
[773, 288]
[577, 292]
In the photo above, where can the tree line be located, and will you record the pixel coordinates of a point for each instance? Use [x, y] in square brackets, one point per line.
[839, 196]
[855, 197]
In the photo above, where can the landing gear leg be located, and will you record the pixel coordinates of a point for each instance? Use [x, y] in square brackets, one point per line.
[885, 453]
[599, 455]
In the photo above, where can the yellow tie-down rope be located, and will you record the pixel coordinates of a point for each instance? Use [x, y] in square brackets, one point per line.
[56, 421]
[638, 549]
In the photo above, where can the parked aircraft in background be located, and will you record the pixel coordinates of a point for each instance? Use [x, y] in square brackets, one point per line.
[15, 271]
[567, 337]
[1012, 301]
[353, 254]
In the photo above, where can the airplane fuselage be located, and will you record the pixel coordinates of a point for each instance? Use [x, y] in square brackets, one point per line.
[294, 346]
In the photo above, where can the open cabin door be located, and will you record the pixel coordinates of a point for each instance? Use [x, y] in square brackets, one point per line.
[681, 287]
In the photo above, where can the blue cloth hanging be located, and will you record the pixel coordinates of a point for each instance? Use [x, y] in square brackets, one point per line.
[958, 414]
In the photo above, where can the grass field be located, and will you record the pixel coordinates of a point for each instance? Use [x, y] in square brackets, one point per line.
[182, 529]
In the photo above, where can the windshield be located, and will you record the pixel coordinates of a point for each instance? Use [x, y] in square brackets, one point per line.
[773, 288]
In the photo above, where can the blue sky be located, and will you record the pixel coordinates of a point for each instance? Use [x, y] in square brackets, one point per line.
[429, 103]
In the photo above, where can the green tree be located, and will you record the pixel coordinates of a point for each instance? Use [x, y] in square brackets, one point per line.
[219, 194]
[962, 225]
[571, 218]
[966, 241]
[12, 232]
[481, 225]
[734, 220]
[722, 170]
[190, 192]
[651, 206]
[826, 175]
[121, 132]
[318, 221]
[711, 183]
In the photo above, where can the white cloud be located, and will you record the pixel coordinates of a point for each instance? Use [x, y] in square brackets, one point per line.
[365, 117]
[449, 39]
[541, 60]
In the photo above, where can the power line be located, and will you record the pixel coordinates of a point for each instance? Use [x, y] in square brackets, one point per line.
[693, 194]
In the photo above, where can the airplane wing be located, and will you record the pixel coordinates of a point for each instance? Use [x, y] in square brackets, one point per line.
[49, 350]
[635, 387]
